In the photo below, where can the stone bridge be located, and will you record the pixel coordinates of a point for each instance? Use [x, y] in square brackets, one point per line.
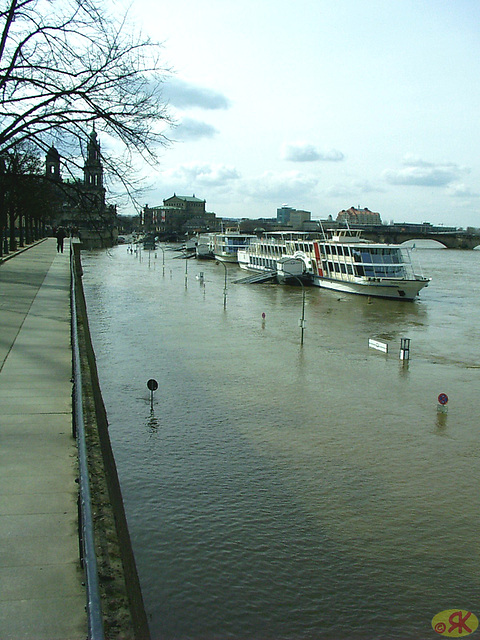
[452, 240]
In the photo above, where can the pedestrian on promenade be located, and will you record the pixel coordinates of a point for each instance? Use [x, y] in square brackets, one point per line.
[60, 235]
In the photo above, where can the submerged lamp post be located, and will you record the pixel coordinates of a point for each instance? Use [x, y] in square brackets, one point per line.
[225, 285]
[301, 322]
[163, 258]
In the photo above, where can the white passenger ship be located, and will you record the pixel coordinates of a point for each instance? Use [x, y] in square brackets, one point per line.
[205, 245]
[227, 244]
[345, 262]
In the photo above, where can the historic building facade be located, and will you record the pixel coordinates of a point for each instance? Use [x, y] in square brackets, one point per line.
[179, 214]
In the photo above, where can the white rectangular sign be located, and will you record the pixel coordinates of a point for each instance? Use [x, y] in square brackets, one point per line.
[375, 344]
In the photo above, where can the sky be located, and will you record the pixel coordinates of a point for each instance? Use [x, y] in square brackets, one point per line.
[321, 105]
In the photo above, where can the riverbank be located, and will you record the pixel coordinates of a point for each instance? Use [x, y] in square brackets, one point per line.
[122, 602]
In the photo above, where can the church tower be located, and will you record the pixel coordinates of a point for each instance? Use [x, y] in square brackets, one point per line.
[52, 165]
[93, 188]
[93, 169]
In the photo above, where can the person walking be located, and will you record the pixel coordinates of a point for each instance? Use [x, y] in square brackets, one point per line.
[60, 235]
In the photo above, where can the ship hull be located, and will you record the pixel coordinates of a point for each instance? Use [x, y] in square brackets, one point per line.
[398, 290]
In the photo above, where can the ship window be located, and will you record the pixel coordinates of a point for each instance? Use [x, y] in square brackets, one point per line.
[333, 250]
[343, 268]
[366, 257]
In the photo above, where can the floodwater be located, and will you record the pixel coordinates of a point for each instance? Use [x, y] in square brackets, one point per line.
[279, 491]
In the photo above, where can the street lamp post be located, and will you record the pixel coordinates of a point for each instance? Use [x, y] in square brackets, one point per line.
[301, 322]
[225, 285]
[163, 259]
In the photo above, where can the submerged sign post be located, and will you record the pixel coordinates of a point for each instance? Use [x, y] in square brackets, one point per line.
[153, 386]
[442, 403]
[404, 348]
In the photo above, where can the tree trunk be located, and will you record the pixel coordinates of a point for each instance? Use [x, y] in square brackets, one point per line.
[21, 230]
[13, 239]
[28, 229]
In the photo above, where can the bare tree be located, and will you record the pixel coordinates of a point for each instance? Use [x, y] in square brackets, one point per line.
[67, 65]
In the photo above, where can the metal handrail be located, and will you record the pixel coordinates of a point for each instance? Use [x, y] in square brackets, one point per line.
[87, 541]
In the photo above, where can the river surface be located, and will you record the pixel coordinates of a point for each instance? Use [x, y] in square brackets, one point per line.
[287, 492]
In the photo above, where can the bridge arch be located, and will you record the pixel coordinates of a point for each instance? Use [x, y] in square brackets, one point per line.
[393, 235]
[423, 243]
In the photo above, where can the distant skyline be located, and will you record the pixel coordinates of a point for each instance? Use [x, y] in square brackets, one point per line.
[321, 106]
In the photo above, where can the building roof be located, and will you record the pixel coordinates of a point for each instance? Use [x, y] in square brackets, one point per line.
[186, 198]
[361, 216]
[53, 153]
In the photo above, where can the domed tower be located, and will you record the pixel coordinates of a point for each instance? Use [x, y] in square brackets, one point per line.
[93, 174]
[52, 164]
[93, 169]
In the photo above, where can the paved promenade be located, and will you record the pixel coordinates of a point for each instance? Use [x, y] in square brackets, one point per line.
[41, 592]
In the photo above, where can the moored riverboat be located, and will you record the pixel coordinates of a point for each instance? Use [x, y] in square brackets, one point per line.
[205, 245]
[350, 264]
[227, 244]
[263, 254]
[344, 262]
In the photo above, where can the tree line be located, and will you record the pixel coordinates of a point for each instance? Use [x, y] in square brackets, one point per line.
[66, 67]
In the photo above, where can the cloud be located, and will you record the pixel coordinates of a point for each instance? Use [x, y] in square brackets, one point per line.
[191, 129]
[364, 186]
[200, 173]
[462, 191]
[420, 173]
[221, 185]
[305, 152]
[184, 95]
[282, 186]
[339, 191]
[352, 189]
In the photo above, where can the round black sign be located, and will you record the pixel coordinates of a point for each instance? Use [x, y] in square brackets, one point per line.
[152, 384]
